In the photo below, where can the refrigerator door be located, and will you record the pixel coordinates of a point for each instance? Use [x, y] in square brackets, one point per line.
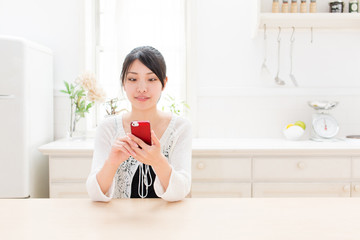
[14, 160]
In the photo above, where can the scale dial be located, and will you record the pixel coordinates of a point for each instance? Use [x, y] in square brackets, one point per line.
[325, 126]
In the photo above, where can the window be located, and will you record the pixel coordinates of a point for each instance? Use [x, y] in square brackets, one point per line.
[126, 24]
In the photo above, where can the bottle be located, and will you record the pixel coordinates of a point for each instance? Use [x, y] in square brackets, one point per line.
[285, 6]
[275, 6]
[303, 8]
[294, 6]
[313, 6]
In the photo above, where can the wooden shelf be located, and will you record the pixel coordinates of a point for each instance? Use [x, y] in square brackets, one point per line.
[343, 21]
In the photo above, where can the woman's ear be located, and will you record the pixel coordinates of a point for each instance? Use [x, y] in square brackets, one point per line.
[165, 81]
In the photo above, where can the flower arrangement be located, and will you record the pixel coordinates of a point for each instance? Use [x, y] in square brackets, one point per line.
[83, 94]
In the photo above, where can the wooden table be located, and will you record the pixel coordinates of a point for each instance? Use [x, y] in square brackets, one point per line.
[241, 218]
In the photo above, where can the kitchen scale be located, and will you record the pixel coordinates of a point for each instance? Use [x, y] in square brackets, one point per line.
[324, 127]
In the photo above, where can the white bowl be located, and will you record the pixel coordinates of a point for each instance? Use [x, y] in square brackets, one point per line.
[293, 133]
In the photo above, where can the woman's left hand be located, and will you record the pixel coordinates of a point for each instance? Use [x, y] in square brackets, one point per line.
[150, 155]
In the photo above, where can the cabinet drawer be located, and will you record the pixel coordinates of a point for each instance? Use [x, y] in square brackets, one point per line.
[228, 190]
[301, 189]
[65, 169]
[221, 168]
[302, 168]
[68, 190]
[356, 168]
[355, 189]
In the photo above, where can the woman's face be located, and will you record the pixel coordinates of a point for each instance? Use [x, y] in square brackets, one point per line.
[143, 88]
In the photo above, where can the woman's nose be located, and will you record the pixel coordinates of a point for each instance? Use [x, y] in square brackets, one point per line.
[142, 87]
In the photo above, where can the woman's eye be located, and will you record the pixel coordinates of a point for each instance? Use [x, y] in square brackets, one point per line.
[152, 79]
[131, 79]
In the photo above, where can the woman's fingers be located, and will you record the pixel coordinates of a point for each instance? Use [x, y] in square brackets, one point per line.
[154, 138]
[137, 141]
[125, 147]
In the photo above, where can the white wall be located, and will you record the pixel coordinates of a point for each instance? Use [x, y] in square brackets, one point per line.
[57, 25]
[232, 98]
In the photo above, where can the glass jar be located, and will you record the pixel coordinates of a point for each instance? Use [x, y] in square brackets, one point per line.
[336, 6]
[353, 6]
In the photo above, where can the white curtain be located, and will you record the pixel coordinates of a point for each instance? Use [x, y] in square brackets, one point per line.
[126, 24]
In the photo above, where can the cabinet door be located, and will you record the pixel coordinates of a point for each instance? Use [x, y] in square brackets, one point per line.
[356, 168]
[212, 168]
[69, 168]
[68, 190]
[226, 190]
[301, 168]
[301, 189]
[355, 189]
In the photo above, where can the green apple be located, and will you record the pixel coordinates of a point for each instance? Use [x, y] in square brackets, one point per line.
[300, 124]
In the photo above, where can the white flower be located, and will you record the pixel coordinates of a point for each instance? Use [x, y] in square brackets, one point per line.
[94, 92]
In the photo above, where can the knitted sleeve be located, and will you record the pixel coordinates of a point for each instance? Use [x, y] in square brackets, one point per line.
[180, 161]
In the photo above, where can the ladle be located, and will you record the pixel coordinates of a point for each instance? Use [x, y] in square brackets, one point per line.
[292, 77]
[278, 80]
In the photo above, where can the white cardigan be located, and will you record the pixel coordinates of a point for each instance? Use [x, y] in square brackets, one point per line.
[175, 145]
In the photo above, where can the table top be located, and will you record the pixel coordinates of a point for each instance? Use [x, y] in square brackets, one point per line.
[193, 218]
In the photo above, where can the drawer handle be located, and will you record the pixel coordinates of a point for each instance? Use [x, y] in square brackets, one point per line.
[357, 188]
[200, 165]
[347, 188]
[301, 165]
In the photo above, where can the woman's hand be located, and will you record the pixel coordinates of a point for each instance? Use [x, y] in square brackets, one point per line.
[121, 150]
[150, 155]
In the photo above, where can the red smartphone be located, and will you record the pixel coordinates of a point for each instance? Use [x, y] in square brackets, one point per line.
[141, 129]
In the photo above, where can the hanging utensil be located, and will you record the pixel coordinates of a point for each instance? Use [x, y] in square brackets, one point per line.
[278, 80]
[264, 67]
[292, 40]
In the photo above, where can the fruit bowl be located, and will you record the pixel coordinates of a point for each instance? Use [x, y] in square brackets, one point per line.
[293, 133]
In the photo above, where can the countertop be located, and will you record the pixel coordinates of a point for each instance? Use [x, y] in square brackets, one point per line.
[247, 146]
[202, 218]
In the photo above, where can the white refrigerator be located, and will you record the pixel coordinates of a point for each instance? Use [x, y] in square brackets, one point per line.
[26, 117]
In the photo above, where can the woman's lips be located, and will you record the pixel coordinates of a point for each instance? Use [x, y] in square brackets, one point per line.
[142, 99]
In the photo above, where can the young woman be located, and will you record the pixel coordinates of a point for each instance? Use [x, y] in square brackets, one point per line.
[123, 165]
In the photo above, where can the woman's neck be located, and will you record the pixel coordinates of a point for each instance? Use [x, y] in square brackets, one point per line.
[151, 115]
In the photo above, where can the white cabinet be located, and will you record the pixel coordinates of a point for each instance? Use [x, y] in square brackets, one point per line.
[220, 189]
[67, 176]
[69, 167]
[301, 189]
[221, 176]
[234, 168]
[301, 176]
[301, 168]
[355, 188]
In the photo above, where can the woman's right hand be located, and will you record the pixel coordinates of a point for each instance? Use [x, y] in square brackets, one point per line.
[121, 150]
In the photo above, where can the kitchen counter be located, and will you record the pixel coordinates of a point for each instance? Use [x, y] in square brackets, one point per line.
[247, 146]
[251, 219]
[234, 168]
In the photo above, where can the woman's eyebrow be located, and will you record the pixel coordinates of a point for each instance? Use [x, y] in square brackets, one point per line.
[137, 73]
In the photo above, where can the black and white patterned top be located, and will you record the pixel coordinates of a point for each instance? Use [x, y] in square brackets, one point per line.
[175, 145]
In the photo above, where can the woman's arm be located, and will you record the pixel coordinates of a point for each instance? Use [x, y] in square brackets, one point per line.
[120, 151]
[107, 157]
[179, 183]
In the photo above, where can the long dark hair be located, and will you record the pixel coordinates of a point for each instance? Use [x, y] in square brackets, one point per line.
[148, 56]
